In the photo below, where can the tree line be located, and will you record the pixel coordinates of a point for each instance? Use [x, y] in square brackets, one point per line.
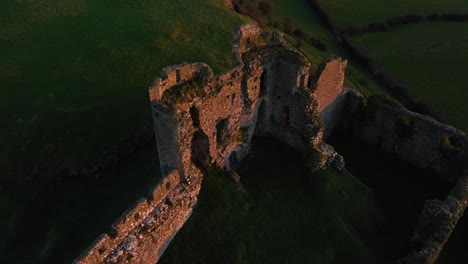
[388, 82]
[403, 20]
[261, 11]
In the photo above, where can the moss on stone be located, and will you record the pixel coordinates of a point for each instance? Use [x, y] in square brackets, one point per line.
[187, 91]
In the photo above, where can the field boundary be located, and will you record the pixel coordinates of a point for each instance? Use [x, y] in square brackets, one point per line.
[401, 21]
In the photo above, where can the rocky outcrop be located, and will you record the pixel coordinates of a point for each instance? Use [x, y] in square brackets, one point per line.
[202, 120]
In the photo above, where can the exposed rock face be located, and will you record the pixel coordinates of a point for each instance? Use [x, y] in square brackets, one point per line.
[203, 119]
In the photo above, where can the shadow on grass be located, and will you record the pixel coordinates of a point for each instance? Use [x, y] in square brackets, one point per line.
[70, 215]
[279, 215]
[400, 191]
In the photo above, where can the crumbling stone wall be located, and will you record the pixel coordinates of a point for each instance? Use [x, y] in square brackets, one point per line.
[148, 224]
[423, 142]
[436, 223]
[417, 139]
[261, 94]
[330, 93]
[203, 119]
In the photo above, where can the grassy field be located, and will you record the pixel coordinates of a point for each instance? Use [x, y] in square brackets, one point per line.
[304, 18]
[73, 82]
[74, 73]
[429, 60]
[74, 77]
[278, 215]
[345, 13]
[400, 192]
[58, 226]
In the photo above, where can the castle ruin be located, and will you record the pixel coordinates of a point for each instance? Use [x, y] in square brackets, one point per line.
[202, 120]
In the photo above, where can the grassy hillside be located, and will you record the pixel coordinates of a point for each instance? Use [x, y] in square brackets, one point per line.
[73, 82]
[304, 18]
[75, 212]
[400, 192]
[345, 13]
[279, 215]
[429, 60]
[426, 59]
[74, 73]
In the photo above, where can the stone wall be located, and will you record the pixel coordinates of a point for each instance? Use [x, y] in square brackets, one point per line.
[210, 119]
[423, 142]
[261, 94]
[150, 221]
[202, 119]
[330, 93]
[436, 223]
[417, 139]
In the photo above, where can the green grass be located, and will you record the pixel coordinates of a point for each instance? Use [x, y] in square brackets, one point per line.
[59, 225]
[73, 82]
[74, 73]
[73, 77]
[278, 215]
[400, 192]
[345, 13]
[430, 61]
[304, 17]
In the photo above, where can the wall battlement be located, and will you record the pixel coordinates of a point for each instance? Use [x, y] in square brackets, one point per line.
[177, 74]
[249, 37]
